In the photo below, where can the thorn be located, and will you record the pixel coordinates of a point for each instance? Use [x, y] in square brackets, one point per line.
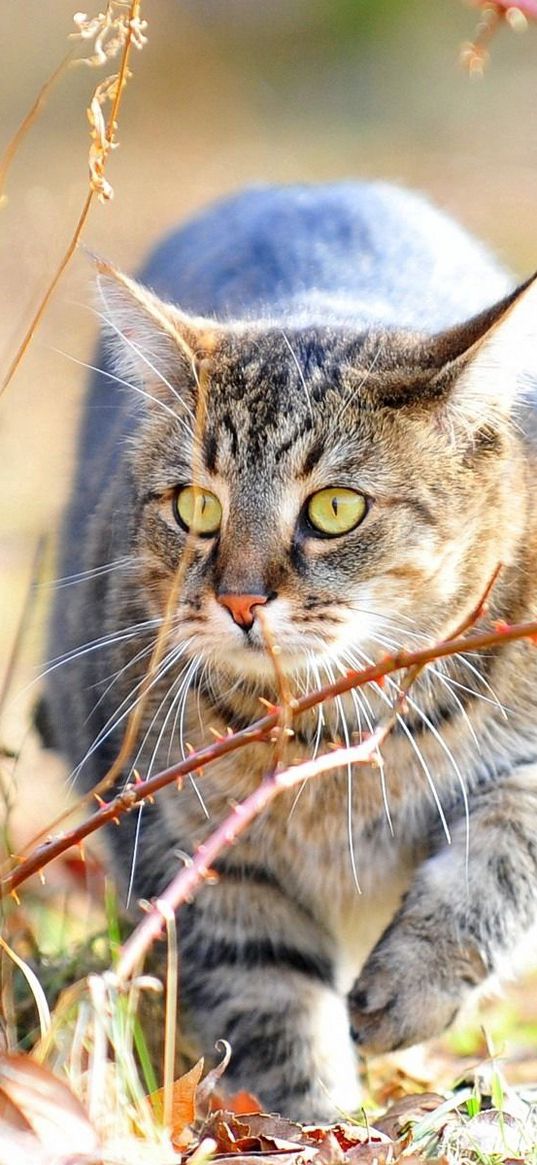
[268, 705]
[179, 784]
[189, 748]
[15, 896]
[289, 732]
[81, 851]
[500, 626]
[99, 800]
[138, 780]
[41, 877]
[229, 731]
[214, 732]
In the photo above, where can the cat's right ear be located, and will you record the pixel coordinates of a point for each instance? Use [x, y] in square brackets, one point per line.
[153, 345]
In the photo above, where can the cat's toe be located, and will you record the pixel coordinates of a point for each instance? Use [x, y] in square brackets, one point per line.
[393, 1007]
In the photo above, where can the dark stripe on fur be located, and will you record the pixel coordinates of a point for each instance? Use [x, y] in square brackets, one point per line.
[219, 952]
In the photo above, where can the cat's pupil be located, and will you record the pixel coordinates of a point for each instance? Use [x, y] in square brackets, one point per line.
[334, 507]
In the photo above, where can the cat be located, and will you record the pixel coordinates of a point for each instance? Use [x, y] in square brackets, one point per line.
[366, 453]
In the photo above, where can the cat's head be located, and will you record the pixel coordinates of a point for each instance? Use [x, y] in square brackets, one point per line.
[358, 489]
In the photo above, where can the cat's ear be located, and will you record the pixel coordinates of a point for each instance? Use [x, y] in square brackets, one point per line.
[490, 360]
[150, 341]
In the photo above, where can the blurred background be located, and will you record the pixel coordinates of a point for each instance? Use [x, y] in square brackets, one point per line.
[226, 93]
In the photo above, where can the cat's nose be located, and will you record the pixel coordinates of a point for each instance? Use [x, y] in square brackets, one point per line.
[241, 607]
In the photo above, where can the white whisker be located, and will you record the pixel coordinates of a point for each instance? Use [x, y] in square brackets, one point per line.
[152, 367]
[126, 384]
[94, 572]
[300, 372]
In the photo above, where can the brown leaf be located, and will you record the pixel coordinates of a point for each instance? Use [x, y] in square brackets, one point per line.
[300, 1154]
[241, 1103]
[208, 1085]
[409, 1108]
[183, 1101]
[373, 1154]
[330, 1151]
[252, 1133]
[32, 1098]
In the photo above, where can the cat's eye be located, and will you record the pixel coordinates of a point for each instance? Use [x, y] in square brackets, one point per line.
[336, 510]
[198, 510]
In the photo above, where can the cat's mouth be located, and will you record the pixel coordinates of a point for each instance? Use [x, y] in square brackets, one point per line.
[258, 654]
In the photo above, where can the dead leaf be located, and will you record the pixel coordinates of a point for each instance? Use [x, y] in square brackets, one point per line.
[240, 1103]
[407, 1109]
[254, 1132]
[373, 1154]
[32, 1098]
[208, 1085]
[330, 1151]
[183, 1102]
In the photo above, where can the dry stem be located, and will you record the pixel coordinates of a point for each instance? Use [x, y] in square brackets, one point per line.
[191, 877]
[107, 143]
[28, 121]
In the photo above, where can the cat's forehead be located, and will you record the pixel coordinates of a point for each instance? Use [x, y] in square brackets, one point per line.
[288, 399]
[271, 394]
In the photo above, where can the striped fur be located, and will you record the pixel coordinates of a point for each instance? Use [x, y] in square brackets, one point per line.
[345, 336]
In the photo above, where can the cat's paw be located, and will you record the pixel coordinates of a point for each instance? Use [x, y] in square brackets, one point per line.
[410, 989]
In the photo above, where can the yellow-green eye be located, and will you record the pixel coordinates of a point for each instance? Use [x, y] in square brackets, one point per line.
[335, 511]
[198, 509]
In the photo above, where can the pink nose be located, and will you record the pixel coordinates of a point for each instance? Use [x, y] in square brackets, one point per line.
[241, 607]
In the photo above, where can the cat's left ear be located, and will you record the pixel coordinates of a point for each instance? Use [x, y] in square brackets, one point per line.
[160, 346]
[490, 360]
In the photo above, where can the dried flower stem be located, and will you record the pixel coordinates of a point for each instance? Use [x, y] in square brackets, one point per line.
[261, 730]
[475, 54]
[134, 16]
[28, 121]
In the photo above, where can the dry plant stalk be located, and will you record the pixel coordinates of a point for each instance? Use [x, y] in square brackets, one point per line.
[189, 878]
[201, 373]
[474, 55]
[120, 27]
[262, 730]
[28, 121]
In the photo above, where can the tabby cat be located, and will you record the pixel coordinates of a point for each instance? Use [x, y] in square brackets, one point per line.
[365, 454]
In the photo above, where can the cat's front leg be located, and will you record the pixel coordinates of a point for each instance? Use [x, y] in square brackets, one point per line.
[256, 970]
[465, 915]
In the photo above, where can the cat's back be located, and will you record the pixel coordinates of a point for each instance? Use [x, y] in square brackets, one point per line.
[352, 250]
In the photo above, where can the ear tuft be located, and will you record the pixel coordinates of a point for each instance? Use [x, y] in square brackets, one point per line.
[499, 361]
[152, 341]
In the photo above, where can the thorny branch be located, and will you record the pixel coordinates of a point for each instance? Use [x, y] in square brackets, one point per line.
[191, 877]
[261, 730]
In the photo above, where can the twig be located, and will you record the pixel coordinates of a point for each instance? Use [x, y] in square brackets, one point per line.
[189, 878]
[259, 731]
